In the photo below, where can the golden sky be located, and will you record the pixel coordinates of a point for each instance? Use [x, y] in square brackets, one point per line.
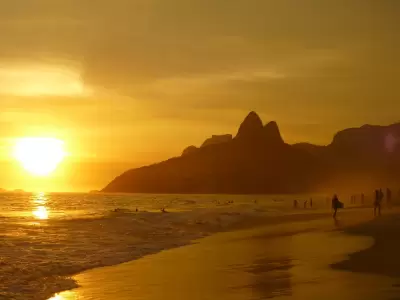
[130, 82]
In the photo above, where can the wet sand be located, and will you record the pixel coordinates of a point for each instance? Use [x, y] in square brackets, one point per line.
[282, 261]
[383, 257]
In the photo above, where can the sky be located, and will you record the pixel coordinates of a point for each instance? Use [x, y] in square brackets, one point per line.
[126, 83]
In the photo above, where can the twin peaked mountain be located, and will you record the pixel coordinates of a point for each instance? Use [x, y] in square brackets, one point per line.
[258, 161]
[251, 130]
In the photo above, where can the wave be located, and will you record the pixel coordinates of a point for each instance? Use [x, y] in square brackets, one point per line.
[37, 260]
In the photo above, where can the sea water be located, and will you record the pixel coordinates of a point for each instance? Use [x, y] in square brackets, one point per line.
[45, 238]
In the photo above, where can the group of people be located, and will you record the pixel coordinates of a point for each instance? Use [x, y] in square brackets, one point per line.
[353, 199]
[296, 203]
[378, 200]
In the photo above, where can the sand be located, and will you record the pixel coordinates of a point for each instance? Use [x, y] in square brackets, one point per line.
[383, 257]
[290, 260]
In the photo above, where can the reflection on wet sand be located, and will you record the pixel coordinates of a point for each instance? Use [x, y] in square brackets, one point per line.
[271, 277]
[293, 265]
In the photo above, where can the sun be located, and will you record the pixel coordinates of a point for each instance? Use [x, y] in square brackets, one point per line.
[39, 156]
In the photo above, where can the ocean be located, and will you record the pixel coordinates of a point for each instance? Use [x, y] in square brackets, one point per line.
[45, 238]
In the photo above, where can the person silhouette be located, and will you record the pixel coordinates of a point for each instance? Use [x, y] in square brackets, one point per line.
[377, 202]
[311, 203]
[295, 203]
[335, 205]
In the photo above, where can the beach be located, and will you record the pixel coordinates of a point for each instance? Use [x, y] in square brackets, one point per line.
[47, 238]
[199, 150]
[304, 259]
[52, 243]
[383, 256]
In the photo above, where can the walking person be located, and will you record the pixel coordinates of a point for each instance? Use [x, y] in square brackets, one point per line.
[335, 205]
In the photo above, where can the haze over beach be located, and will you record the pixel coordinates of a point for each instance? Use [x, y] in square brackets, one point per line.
[191, 149]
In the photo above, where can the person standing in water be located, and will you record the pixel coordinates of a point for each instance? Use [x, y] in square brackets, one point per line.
[295, 203]
[335, 205]
[377, 202]
[310, 202]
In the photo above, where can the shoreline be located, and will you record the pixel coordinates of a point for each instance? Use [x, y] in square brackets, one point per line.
[247, 223]
[383, 257]
[244, 224]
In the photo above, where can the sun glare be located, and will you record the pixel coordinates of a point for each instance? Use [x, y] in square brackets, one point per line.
[39, 156]
[41, 213]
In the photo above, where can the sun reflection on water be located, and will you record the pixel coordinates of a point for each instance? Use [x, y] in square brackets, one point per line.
[67, 295]
[39, 198]
[41, 213]
[40, 210]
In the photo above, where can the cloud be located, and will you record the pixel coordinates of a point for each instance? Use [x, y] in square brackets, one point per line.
[189, 59]
[41, 80]
[131, 42]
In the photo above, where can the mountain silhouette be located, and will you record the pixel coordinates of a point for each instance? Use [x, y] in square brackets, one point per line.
[189, 150]
[272, 133]
[251, 128]
[217, 139]
[258, 161]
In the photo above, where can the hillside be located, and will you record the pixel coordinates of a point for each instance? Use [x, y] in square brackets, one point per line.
[257, 160]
